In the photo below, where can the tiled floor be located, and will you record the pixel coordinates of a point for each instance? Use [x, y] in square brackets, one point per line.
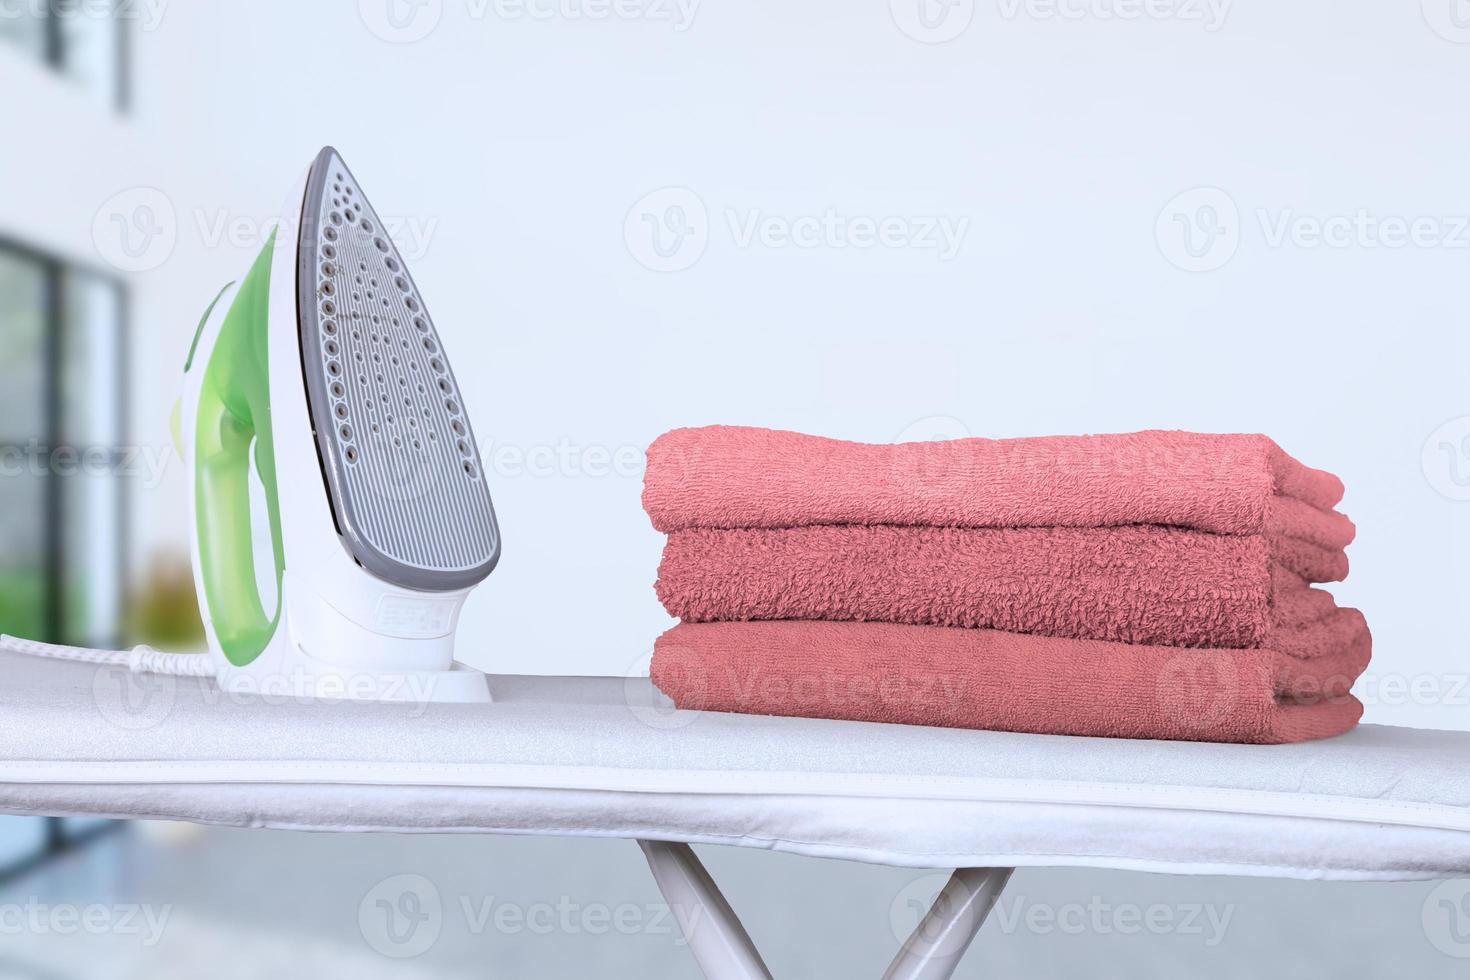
[245, 904]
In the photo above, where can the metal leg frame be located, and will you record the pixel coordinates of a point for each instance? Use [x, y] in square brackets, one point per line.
[724, 951]
[942, 937]
[720, 944]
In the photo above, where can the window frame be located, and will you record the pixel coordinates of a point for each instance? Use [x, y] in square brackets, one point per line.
[54, 317]
[54, 51]
[59, 836]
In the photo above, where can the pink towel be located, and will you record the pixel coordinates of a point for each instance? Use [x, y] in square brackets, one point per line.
[972, 678]
[1127, 584]
[734, 477]
[1149, 585]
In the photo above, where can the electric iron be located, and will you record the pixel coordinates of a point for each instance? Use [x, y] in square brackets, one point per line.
[317, 385]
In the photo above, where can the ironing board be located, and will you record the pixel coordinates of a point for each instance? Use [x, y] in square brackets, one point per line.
[607, 757]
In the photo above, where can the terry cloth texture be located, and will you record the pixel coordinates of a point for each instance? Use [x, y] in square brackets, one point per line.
[1128, 584]
[975, 678]
[1147, 585]
[732, 477]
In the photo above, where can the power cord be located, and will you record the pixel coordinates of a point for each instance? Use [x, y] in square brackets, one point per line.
[141, 659]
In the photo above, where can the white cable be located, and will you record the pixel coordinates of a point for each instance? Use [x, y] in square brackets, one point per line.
[140, 659]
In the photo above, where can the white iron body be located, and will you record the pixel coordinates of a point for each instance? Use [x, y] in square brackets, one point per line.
[343, 633]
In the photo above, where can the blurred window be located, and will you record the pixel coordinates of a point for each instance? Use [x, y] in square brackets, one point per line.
[85, 40]
[23, 316]
[28, 842]
[64, 470]
[63, 476]
[23, 25]
[91, 410]
[21, 840]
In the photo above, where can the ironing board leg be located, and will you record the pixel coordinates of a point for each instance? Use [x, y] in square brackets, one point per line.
[720, 944]
[934, 950]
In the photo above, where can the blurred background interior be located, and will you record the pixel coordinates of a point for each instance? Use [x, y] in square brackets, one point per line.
[522, 143]
[63, 380]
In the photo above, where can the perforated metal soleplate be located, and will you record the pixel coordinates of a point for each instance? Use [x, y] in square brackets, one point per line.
[401, 465]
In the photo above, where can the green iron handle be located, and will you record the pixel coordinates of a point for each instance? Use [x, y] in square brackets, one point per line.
[233, 412]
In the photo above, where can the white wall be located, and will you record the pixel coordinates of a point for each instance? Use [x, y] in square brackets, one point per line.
[522, 144]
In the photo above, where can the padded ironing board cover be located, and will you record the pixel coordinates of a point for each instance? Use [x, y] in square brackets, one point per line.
[607, 757]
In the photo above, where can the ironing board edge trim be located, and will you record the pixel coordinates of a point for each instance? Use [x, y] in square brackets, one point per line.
[718, 783]
[835, 852]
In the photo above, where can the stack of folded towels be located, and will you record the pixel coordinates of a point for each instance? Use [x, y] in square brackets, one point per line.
[1147, 585]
